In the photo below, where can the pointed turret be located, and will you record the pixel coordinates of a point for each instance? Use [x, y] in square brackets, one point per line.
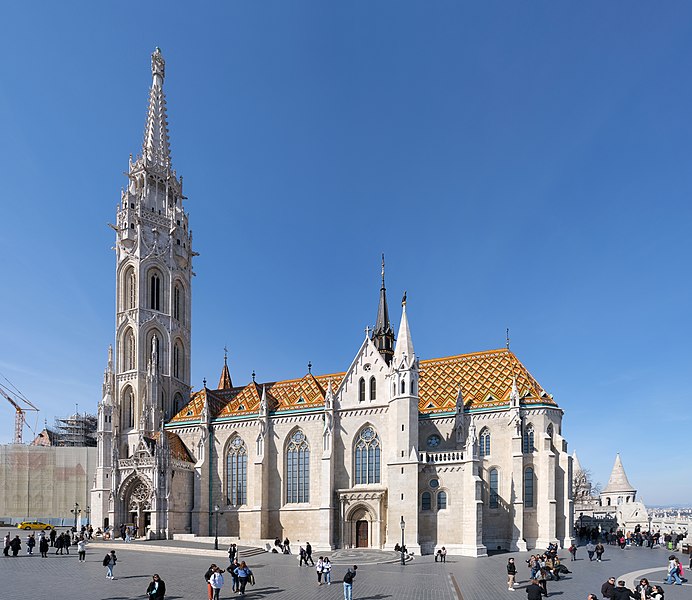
[225, 382]
[383, 334]
[404, 344]
[618, 481]
[156, 149]
[576, 465]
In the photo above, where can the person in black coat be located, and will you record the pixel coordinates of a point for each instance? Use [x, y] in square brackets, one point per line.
[608, 587]
[534, 591]
[623, 593]
[156, 589]
[43, 547]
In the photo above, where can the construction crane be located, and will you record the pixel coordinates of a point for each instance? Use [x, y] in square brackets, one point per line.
[19, 414]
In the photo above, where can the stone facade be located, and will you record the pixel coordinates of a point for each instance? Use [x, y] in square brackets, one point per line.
[464, 452]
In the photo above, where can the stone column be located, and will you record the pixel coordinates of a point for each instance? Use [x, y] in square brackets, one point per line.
[518, 543]
[545, 500]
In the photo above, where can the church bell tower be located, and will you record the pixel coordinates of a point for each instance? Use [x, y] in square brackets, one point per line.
[153, 292]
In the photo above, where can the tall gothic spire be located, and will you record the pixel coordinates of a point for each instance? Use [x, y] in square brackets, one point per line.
[404, 343]
[156, 149]
[225, 382]
[383, 334]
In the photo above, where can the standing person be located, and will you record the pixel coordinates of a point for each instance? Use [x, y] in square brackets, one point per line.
[511, 574]
[573, 552]
[66, 542]
[156, 589]
[52, 537]
[348, 582]
[643, 590]
[319, 567]
[81, 549]
[302, 555]
[232, 550]
[234, 576]
[308, 555]
[6, 549]
[534, 591]
[443, 554]
[109, 562]
[287, 546]
[244, 573]
[207, 578]
[15, 545]
[590, 549]
[608, 587]
[216, 582]
[327, 570]
[30, 544]
[43, 547]
[623, 593]
[58, 544]
[673, 571]
[600, 549]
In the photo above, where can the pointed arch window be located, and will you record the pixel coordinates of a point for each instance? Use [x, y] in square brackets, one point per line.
[373, 389]
[403, 386]
[441, 500]
[177, 403]
[528, 439]
[368, 457]
[178, 361]
[130, 289]
[155, 291]
[298, 469]
[484, 442]
[129, 408]
[130, 351]
[426, 501]
[494, 487]
[361, 390]
[413, 388]
[528, 487]
[178, 303]
[236, 473]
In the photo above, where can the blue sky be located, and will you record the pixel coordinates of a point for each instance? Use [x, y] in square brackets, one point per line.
[522, 165]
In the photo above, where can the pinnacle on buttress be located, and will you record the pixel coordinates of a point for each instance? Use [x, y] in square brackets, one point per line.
[404, 343]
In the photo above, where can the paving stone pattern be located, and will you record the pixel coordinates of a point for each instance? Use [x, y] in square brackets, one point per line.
[279, 577]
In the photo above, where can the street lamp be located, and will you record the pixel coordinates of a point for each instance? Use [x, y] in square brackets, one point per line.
[581, 524]
[216, 528]
[75, 511]
[88, 513]
[403, 527]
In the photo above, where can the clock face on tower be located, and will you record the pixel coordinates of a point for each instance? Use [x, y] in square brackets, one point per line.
[434, 441]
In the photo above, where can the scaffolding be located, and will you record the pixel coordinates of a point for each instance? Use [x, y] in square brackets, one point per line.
[75, 430]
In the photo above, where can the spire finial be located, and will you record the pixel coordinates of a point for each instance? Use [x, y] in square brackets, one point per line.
[253, 375]
[403, 300]
[225, 355]
[383, 270]
[309, 366]
[158, 65]
[507, 338]
[204, 383]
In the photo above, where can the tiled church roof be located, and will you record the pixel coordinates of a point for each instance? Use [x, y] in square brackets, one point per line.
[485, 379]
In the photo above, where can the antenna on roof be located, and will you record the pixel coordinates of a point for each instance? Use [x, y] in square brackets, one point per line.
[507, 338]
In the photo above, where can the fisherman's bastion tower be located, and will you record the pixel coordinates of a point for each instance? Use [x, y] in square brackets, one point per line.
[463, 451]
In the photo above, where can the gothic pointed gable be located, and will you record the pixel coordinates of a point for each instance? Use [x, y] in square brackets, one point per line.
[176, 445]
[618, 481]
[194, 408]
[247, 401]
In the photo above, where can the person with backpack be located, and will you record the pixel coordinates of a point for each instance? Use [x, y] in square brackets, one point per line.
[216, 582]
[109, 562]
[207, 578]
[244, 575]
[348, 582]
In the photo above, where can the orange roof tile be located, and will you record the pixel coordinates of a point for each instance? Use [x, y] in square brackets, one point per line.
[485, 379]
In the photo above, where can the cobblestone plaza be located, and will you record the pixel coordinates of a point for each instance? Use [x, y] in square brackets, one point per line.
[182, 568]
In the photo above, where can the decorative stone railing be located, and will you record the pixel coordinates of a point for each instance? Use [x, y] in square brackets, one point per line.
[128, 463]
[451, 456]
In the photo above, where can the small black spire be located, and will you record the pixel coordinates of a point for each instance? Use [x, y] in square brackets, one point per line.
[309, 366]
[383, 334]
[253, 375]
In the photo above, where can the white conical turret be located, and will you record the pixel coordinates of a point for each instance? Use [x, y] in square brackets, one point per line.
[404, 343]
[618, 481]
[576, 465]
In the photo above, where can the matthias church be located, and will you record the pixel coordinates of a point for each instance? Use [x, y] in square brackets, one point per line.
[461, 451]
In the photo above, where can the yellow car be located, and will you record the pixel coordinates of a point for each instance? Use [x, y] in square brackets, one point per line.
[34, 525]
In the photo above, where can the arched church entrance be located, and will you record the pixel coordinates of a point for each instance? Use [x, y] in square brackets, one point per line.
[138, 505]
[359, 528]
